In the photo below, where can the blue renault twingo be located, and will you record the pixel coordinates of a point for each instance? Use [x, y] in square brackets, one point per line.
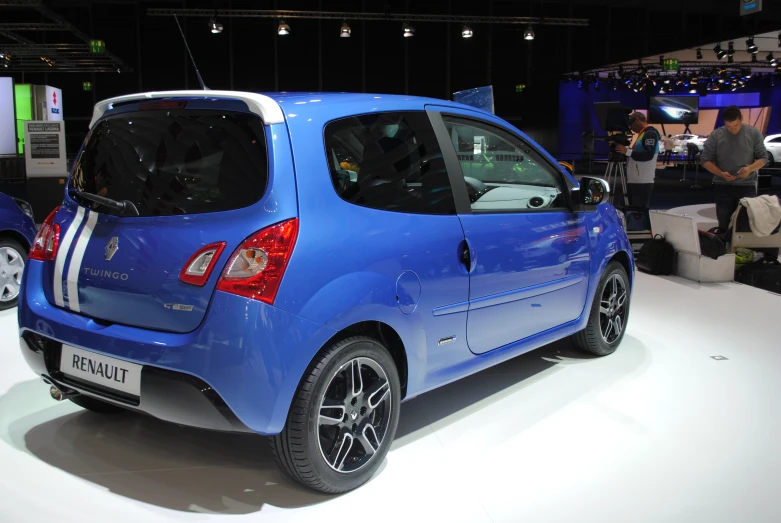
[297, 265]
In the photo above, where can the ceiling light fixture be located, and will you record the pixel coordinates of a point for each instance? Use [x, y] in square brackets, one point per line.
[345, 31]
[408, 30]
[283, 28]
[214, 26]
[699, 54]
[720, 53]
[731, 49]
[466, 32]
[751, 47]
[528, 34]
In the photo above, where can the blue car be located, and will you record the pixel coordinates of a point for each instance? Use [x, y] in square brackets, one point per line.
[297, 265]
[17, 231]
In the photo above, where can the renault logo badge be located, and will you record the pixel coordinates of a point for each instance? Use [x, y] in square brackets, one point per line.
[111, 248]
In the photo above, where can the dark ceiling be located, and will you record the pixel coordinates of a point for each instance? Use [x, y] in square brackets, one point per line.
[249, 55]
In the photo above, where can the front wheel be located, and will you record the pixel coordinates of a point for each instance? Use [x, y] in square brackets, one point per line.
[13, 258]
[343, 417]
[609, 314]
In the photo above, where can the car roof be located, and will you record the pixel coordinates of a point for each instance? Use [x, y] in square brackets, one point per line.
[302, 103]
[772, 136]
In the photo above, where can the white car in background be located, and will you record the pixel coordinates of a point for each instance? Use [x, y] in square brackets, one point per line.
[681, 140]
[773, 146]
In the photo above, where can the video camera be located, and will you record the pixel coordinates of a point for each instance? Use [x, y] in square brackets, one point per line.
[612, 118]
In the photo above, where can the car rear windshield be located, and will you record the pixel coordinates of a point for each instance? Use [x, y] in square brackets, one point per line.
[172, 162]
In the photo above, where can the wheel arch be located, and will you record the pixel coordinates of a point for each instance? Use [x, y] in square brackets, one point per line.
[384, 334]
[17, 237]
[623, 258]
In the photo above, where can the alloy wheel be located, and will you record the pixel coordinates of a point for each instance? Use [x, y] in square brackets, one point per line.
[612, 309]
[11, 268]
[354, 415]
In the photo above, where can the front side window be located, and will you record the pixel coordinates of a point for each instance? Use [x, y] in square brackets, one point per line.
[174, 162]
[502, 172]
[776, 140]
[389, 161]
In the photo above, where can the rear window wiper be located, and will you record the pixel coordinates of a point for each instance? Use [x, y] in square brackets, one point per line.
[123, 208]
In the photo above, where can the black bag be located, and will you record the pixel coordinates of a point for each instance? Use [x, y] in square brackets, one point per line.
[637, 219]
[764, 274]
[656, 256]
[712, 243]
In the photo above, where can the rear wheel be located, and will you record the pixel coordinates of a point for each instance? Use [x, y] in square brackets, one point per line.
[343, 417]
[96, 405]
[13, 258]
[609, 314]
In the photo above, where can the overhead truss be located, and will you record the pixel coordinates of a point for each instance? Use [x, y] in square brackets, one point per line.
[30, 56]
[338, 15]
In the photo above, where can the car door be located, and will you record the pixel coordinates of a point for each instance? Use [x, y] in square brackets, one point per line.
[529, 252]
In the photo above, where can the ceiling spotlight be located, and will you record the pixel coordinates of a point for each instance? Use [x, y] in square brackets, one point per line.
[779, 40]
[731, 49]
[408, 30]
[345, 31]
[529, 33]
[580, 84]
[754, 59]
[214, 27]
[693, 90]
[283, 28]
[720, 53]
[662, 91]
[466, 32]
[751, 47]
[661, 61]
[699, 54]
[773, 60]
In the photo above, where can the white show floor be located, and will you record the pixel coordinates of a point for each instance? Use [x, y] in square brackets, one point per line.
[658, 432]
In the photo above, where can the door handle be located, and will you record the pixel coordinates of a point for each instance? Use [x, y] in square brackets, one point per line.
[464, 255]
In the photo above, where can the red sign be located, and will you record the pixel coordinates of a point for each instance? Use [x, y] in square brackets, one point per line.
[54, 97]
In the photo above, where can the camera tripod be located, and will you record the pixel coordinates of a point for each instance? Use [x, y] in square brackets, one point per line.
[614, 175]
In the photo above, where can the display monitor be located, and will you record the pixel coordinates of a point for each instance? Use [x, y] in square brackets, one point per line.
[674, 109]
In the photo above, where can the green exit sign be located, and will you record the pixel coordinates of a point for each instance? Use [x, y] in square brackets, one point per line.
[671, 64]
[519, 88]
[97, 46]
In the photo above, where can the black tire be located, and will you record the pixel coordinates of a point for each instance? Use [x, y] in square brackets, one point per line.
[7, 244]
[591, 340]
[95, 405]
[297, 448]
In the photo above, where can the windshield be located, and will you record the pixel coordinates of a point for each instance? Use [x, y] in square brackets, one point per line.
[173, 162]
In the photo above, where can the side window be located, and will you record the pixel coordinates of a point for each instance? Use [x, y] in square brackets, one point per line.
[502, 172]
[776, 140]
[389, 161]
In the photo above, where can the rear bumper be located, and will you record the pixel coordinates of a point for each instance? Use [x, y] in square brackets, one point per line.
[238, 371]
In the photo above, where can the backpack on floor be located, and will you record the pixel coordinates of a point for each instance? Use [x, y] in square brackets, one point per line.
[763, 274]
[656, 256]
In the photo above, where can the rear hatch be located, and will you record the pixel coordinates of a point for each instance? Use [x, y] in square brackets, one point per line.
[196, 176]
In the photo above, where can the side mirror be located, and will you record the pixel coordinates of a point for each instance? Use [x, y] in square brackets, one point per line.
[592, 192]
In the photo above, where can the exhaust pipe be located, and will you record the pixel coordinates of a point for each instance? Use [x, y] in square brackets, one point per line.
[60, 395]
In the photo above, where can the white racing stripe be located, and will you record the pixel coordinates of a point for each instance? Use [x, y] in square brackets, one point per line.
[62, 256]
[76, 259]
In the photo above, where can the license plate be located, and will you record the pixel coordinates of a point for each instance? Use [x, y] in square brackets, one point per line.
[95, 368]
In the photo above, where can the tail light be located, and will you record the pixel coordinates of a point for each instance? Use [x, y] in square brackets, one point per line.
[256, 268]
[47, 240]
[201, 264]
